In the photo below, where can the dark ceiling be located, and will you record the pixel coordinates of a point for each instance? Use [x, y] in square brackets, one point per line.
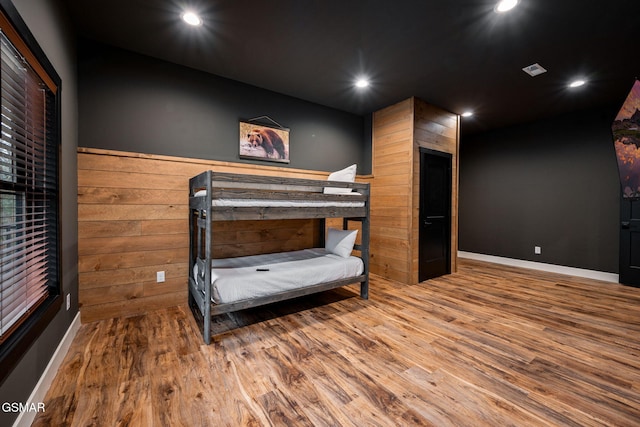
[456, 54]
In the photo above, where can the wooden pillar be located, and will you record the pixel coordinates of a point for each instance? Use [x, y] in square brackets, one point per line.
[398, 133]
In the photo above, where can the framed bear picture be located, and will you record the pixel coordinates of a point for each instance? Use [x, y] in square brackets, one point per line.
[263, 142]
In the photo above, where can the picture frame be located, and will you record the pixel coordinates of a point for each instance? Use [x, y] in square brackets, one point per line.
[626, 136]
[259, 141]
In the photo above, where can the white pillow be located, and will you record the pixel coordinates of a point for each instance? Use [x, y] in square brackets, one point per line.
[340, 242]
[347, 174]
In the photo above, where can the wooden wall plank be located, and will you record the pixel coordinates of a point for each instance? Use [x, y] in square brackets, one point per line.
[129, 196]
[112, 293]
[94, 212]
[107, 278]
[132, 307]
[162, 226]
[119, 259]
[89, 229]
[110, 245]
[102, 178]
[399, 201]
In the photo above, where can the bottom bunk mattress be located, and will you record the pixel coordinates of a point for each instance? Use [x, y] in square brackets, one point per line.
[242, 278]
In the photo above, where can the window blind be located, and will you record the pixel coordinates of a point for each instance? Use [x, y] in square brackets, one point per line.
[28, 189]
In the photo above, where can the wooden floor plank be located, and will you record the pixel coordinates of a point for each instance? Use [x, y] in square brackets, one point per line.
[489, 345]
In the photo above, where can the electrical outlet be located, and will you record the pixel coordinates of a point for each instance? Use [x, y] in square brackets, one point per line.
[68, 301]
[160, 276]
[537, 250]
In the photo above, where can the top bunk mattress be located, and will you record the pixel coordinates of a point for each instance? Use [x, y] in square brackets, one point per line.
[242, 278]
[269, 203]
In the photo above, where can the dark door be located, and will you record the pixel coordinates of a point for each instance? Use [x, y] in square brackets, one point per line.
[630, 242]
[435, 214]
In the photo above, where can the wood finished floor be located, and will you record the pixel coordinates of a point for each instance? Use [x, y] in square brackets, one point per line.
[487, 346]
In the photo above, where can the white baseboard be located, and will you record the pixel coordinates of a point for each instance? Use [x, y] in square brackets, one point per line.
[552, 268]
[25, 419]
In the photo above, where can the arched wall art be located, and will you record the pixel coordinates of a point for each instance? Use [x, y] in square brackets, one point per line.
[626, 136]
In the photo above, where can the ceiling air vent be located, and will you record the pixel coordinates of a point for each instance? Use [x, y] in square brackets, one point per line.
[534, 69]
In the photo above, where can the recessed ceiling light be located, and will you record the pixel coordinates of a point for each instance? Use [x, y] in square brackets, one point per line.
[191, 18]
[362, 83]
[467, 114]
[577, 83]
[506, 5]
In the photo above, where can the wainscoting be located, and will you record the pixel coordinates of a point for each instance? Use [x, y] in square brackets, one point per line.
[133, 222]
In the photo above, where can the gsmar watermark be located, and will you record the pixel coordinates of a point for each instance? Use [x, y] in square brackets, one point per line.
[23, 407]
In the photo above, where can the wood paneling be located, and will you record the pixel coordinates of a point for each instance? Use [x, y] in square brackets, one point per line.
[133, 222]
[487, 346]
[398, 132]
[391, 201]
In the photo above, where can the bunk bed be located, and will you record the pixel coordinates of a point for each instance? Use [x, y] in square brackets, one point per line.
[218, 286]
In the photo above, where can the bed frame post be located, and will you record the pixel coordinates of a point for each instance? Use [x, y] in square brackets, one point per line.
[207, 263]
[364, 243]
[193, 223]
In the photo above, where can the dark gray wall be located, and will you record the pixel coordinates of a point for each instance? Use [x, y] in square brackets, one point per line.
[47, 22]
[553, 183]
[131, 102]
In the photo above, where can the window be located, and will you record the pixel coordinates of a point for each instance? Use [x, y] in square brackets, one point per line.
[29, 146]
